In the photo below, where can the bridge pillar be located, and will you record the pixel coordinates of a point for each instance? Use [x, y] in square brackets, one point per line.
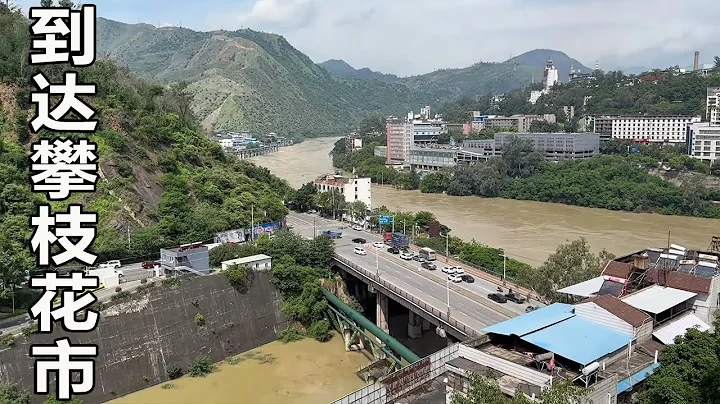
[415, 325]
[426, 325]
[382, 312]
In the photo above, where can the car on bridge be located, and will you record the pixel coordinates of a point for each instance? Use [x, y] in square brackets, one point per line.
[393, 250]
[378, 245]
[418, 258]
[360, 251]
[497, 297]
[515, 297]
[455, 278]
[467, 278]
[359, 240]
[453, 269]
[428, 265]
[406, 255]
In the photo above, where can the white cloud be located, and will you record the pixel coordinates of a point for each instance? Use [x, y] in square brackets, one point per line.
[417, 36]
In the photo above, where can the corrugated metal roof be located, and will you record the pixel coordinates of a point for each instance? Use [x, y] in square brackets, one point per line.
[656, 299]
[533, 321]
[667, 332]
[585, 289]
[579, 340]
[245, 260]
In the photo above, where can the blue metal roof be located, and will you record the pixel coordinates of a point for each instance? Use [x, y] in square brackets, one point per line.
[533, 321]
[579, 340]
[638, 377]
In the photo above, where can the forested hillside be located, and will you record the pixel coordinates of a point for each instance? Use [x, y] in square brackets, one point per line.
[250, 80]
[162, 181]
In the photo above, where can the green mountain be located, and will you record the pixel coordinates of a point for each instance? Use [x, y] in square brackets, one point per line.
[249, 80]
[537, 59]
[340, 68]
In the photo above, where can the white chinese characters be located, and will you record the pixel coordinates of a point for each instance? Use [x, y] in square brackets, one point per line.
[51, 25]
[74, 238]
[51, 284]
[63, 166]
[66, 360]
[51, 119]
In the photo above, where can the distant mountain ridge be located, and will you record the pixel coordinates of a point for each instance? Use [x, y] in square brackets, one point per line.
[537, 59]
[342, 69]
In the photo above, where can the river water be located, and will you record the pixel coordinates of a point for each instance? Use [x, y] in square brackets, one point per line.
[303, 372]
[529, 231]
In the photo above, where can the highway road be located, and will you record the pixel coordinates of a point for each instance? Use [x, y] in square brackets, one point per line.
[468, 301]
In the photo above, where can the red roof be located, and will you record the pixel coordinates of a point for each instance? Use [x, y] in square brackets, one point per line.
[620, 309]
[617, 269]
[680, 280]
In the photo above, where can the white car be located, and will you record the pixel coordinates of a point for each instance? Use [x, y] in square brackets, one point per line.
[360, 251]
[110, 264]
[449, 269]
[357, 227]
[459, 270]
[455, 278]
[378, 244]
[406, 256]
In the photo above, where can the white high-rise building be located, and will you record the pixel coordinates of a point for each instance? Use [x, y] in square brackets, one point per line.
[713, 105]
[551, 75]
[399, 139]
[703, 142]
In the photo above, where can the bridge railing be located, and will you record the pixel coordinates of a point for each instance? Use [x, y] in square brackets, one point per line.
[444, 317]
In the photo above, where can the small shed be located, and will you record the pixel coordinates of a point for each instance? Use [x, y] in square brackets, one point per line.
[257, 262]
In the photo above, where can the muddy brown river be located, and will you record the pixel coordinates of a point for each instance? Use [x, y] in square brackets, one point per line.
[529, 231]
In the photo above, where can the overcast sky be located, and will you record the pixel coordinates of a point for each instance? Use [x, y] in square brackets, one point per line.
[408, 37]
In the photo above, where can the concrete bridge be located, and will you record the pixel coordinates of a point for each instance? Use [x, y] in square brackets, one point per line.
[247, 153]
[461, 310]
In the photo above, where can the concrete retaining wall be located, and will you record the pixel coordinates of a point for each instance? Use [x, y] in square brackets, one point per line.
[140, 339]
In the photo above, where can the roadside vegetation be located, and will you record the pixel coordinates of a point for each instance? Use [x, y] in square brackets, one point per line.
[299, 265]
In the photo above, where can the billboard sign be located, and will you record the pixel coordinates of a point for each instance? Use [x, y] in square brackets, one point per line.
[385, 219]
[267, 228]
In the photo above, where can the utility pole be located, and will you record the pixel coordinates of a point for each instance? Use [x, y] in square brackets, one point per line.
[314, 228]
[404, 226]
[447, 246]
[393, 223]
[377, 262]
[504, 265]
[128, 237]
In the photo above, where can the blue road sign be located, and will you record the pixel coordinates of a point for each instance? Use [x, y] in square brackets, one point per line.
[385, 219]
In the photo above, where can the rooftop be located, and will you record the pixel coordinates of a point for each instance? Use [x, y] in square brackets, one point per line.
[620, 309]
[656, 299]
[667, 332]
[580, 340]
[533, 321]
[246, 260]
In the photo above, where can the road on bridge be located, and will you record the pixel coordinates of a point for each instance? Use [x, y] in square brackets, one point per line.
[468, 301]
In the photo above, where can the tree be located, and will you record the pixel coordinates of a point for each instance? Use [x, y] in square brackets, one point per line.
[66, 4]
[688, 371]
[486, 390]
[304, 197]
[520, 159]
[358, 209]
[544, 127]
[12, 394]
[331, 203]
[571, 263]
[46, 3]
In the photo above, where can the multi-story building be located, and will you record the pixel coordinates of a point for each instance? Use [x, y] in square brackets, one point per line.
[381, 151]
[653, 129]
[435, 157]
[556, 146]
[521, 123]
[352, 188]
[192, 257]
[703, 141]
[399, 139]
[713, 105]
[426, 132]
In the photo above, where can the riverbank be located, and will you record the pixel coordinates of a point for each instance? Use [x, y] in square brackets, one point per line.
[302, 372]
[529, 231]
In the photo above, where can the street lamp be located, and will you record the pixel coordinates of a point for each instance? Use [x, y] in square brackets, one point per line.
[314, 228]
[447, 246]
[404, 226]
[504, 255]
[447, 279]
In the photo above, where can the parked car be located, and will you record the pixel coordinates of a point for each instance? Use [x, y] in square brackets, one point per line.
[357, 227]
[531, 308]
[150, 264]
[418, 258]
[378, 244]
[467, 278]
[454, 278]
[359, 240]
[360, 251]
[110, 264]
[393, 250]
[497, 297]
[459, 270]
[404, 255]
[429, 265]
[312, 211]
[515, 297]
[449, 269]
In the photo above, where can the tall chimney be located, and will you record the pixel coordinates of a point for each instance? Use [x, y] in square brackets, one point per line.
[696, 65]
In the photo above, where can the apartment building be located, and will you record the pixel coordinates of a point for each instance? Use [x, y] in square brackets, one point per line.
[426, 132]
[653, 129]
[399, 139]
[521, 123]
[352, 188]
[713, 105]
[703, 141]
